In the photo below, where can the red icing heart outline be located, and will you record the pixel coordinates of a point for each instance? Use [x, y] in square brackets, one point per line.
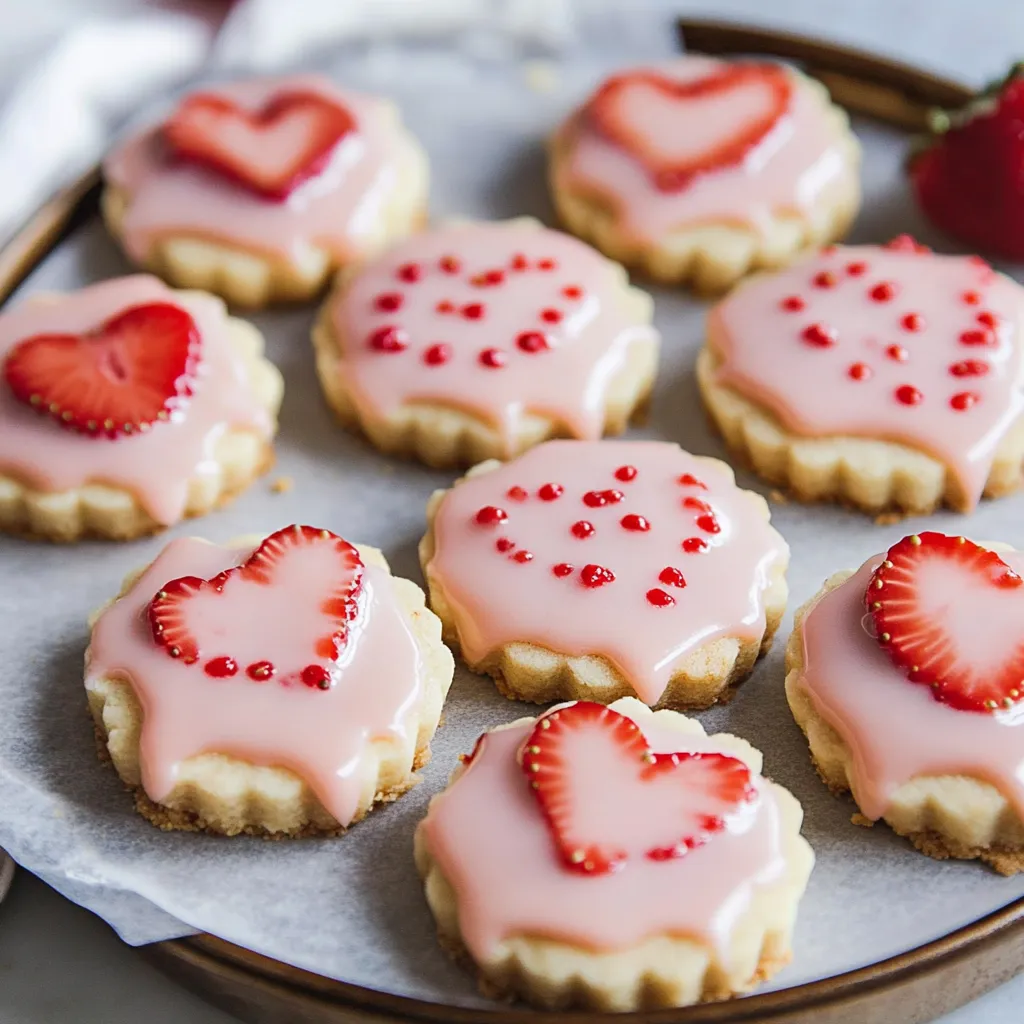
[168, 611]
[724, 780]
[603, 113]
[200, 131]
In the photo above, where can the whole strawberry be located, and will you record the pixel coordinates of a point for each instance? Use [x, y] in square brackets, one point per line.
[969, 173]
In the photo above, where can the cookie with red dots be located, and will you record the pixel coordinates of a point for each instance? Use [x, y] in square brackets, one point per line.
[596, 570]
[478, 340]
[700, 170]
[259, 190]
[889, 378]
[319, 675]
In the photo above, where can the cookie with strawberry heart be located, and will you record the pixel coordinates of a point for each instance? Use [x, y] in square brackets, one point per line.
[477, 340]
[613, 858]
[889, 378]
[907, 677]
[700, 170]
[597, 570]
[258, 190]
[284, 684]
[127, 406]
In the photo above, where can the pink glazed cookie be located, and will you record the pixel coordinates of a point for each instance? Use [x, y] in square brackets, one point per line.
[614, 858]
[906, 677]
[701, 170]
[126, 406]
[476, 341]
[280, 685]
[889, 378]
[258, 190]
[597, 570]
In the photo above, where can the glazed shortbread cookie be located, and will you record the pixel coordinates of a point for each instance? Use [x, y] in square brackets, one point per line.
[701, 170]
[906, 678]
[259, 190]
[614, 858]
[476, 341]
[125, 406]
[888, 378]
[283, 685]
[597, 570]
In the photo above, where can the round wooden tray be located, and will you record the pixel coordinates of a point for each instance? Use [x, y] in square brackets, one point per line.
[913, 987]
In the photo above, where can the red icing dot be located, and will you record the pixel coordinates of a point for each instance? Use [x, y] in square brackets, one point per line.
[964, 400]
[672, 576]
[971, 298]
[388, 302]
[523, 556]
[897, 353]
[410, 272]
[709, 524]
[824, 279]
[533, 341]
[598, 499]
[793, 304]
[491, 515]
[517, 493]
[488, 278]
[689, 480]
[820, 335]
[988, 319]
[493, 358]
[550, 316]
[596, 575]
[562, 569]
[625, 473]
[519, 262]
[634, 522]
[828, 250]
[696, 504]
[572, 291]
[546, 264]
[913, 322]
[883, 292]
[977, 337]
[906, 243]
[221, 668]
[437, 354]
[550, 492]
[389, 339]
[856, 269]
[445, 306]
[659, 598]
[860, 371]
[969, 368]
[583, 529]
[260, 671]
[316, 677]
[504, 544]
[450, 264]
[473, 310]
[695, 545]
[908, 395]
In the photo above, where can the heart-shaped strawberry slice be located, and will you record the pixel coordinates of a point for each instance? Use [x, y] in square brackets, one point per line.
[131, 371]
[285, 614]
[951, 613]
[607, 798]
[270, 151]
[679, 129]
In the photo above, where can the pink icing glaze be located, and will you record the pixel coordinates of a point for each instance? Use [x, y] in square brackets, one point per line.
[155, 466]
[562, 296]
[894, 728]
[795, 167]
[497, 599]
[813, 390]
[488, 835]
[321, 735]
[335, 210]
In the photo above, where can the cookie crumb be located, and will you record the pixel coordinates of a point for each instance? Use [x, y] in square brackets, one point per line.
[778, 497]
[282, 485]
[889, 518]
[859, 819]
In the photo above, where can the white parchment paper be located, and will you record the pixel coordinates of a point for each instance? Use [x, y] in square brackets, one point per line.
[352, 908]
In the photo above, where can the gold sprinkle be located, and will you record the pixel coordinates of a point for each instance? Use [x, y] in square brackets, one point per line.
[577, 856]
[876, 606]
[534, 785]
[1007, 703]
[91, 424]
[54, 408]
[324, 534]
[34, 400]
[108, 424]
[282, 485]
[66, 416]
[534, 767]
[961, 540]
[588, 865]
[885, 638]
[648, 757]
[887, 564]
[1015, 694]
[162, 415]
[127, 428]
[915, 540]
[990, 704]
[545, 724]
[175, 652]
[879, 584]
[534, 749]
